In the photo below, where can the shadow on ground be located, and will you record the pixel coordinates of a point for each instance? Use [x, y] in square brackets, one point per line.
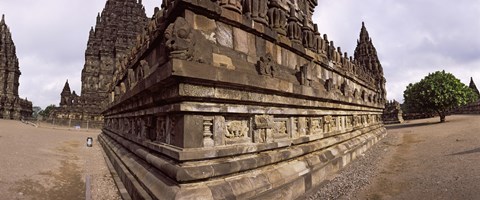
[477, 150]
[409, 125]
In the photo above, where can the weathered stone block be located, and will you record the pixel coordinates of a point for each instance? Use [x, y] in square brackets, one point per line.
[240, 40]
[223, 61]
[224, 35]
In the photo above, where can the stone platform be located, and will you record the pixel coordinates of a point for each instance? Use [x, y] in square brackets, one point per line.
[219, 101]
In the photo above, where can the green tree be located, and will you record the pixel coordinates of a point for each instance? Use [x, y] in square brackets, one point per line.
[46, 113]
[438, 92]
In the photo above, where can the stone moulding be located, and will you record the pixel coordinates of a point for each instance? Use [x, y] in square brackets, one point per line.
[217, 102]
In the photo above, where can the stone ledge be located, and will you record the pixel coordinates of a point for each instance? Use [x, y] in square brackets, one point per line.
[288, 179]
[216, 166]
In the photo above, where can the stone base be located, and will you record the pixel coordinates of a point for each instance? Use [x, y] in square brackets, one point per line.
[147, 174]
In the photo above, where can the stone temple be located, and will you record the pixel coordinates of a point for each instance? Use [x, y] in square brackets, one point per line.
[11, 105]
[239, 99]
[471, 108]
[115, 31]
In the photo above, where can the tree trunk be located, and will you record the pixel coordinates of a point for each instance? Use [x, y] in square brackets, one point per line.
[442, 117]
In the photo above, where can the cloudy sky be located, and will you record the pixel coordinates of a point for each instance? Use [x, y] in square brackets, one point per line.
[412, 37]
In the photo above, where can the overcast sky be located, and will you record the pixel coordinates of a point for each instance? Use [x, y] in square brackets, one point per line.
[412, 38]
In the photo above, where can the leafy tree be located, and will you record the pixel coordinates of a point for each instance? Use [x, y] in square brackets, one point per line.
[438, 92]
[46, 113]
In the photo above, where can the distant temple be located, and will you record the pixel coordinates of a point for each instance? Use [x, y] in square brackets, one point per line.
[115, 31]
[11, 105]
[392, 114]
[473, 86]
[472, 108]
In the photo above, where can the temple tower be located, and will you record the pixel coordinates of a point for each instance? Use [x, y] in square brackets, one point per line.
[473, 86]
[11, 106]
[366, 55]
[115, 31]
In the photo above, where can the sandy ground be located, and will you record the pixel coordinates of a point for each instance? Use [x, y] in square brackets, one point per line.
[420, 159]
[46, 163]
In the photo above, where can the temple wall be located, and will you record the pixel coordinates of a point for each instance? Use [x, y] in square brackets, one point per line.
[213, 104]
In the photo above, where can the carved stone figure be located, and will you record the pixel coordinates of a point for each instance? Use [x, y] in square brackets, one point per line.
[328, 123]
[329, 85]
[145, 67]
[236, 129]
[263, 128]
[178, 36]
[267, 66]
[306, 74]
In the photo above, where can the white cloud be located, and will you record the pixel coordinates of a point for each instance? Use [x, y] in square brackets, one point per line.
[413, 38]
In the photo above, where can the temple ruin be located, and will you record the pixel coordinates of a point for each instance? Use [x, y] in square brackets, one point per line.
[392, 114]
[239, 99]
[11, 105]
[471, 108]
[115, 31]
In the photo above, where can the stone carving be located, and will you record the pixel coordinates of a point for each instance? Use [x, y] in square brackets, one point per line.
[267, 66]
[329, 85]
[182, 42]
[328, 123]
[349, 122]
[132, 79]
[145, 67]
[263, 121]
[277, 17]
[302, 125]
[256, 10]
[235, 5]
[263, 128]
[179, 39]
[316, 125]
[207, 132]
[392, 113]
[306, 74]
[345, 89]
[161, 130]
[11, 105]
[171, 126]
[236, 129]
[309, 40]
[280, 128]
[294, 31]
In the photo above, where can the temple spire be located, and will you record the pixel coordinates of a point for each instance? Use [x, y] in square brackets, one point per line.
[473, 86]
[66, 88]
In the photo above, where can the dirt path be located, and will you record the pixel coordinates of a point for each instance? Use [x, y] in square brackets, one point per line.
[434, 161]
[420, 159]
[42, 163]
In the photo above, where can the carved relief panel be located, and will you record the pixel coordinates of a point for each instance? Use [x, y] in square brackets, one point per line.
[263, 125]
[161, 132]
[316, 125]
[237, 130]
[280, 128]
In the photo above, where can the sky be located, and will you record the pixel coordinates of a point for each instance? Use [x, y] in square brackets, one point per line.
[412, 38]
